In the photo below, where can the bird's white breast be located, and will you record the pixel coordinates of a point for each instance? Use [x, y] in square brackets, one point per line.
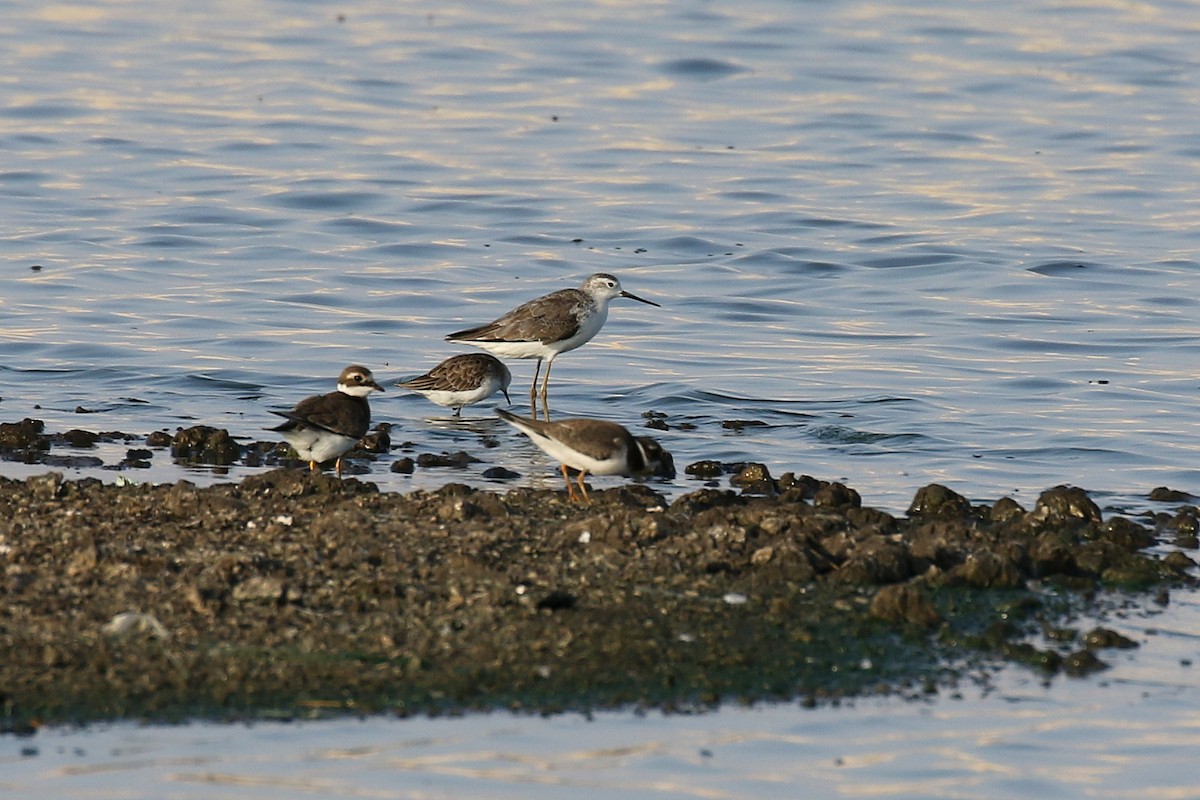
[314, 444]
[613, 464]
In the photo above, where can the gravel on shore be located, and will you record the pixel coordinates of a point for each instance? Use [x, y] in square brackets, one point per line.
[293, 593]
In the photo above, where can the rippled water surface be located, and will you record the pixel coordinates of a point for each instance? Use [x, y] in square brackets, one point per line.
[917, 241]
[930, 243]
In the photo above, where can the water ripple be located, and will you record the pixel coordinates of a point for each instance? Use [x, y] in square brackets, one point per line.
[843, 234]
[700, 68]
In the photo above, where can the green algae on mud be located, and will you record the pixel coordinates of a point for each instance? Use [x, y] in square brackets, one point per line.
[294, 593]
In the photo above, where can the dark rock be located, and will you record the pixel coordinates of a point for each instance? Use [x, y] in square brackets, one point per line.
[937, 500]
[404, 466]
[1126, 534]
[80, 438]
[71, 462]
[940, 543]
[1056, 634]
[805, 485]
[785, 559]
[202, 444]
[1177, 561]
[378, 440]
[499, 474]
[739, 424]
[1052, 553]
[871, 520]
[1188, 541]
[457, 460]
[904, 603]
[704, 469]
[1065, 504]
[24, 435]
[293, 483]
[877, 560]
[1096, 557]
[760, 489]
[1025, 653]
[836, 495]
[1006, 510]
[159, 439]
[1137, 573]
[988, 570]
[632, 496]
[695, 502]
[1081, 663]
[751, 474]
[1000, 634]
[1104, 637]
[277, 453]
[1162, 494]
[1186, 525]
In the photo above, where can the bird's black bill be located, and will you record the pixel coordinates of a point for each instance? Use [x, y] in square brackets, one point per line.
[640, 299]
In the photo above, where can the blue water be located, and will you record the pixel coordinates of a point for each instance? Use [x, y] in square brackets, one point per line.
[921, 241]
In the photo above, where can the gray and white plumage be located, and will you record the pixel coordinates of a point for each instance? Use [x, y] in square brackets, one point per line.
[593, 446]
[326, 426]
[549, 325]
[462, 380]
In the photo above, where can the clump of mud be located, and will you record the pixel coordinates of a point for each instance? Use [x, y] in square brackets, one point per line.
[296, 593]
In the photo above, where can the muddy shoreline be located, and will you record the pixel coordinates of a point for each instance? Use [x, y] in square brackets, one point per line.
[292, 593]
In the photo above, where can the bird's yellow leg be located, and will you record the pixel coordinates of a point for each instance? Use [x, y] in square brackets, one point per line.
[533, 390]
[546, 380]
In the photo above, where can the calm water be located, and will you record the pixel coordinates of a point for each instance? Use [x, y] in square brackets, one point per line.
[920, 242]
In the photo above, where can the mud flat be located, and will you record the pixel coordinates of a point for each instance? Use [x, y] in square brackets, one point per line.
[293, 593]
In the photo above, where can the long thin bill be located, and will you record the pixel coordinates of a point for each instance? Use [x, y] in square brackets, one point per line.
[640, 299]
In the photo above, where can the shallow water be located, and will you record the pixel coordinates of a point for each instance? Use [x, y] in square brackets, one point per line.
[920, 242]
[1128, 734]
[917, 245]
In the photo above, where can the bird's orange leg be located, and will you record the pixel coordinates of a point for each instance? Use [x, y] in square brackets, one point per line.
[567, 479]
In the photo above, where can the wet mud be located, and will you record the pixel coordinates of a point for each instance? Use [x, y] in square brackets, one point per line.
[292, 593]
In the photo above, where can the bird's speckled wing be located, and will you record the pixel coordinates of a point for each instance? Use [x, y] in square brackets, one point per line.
[458, 374]
[552, 318]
